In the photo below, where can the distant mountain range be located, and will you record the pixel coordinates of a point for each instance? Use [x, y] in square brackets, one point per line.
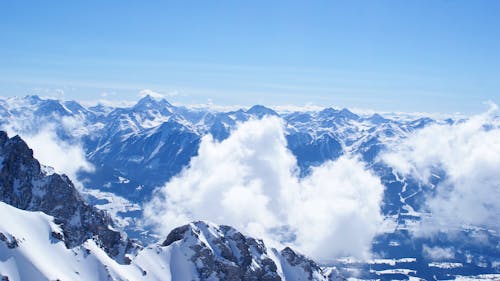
[138, 148]
[136, 143]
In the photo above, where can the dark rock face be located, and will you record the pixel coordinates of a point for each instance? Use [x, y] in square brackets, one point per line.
[175, 235]
[24, 185]
[11, 243]
[226, 254]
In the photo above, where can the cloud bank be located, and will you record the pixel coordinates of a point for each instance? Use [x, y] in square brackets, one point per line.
[67, 157]
[468, 153]
[250, 181]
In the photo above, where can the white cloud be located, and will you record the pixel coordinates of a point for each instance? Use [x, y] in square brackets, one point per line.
[156, 95]
[64, 156]
[438, 253]
[250, 181]
[469, 154]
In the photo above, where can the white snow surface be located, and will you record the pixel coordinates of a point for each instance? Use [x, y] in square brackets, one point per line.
[39, 255]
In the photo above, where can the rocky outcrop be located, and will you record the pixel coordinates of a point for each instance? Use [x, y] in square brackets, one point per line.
[24, 185]
[223, 253]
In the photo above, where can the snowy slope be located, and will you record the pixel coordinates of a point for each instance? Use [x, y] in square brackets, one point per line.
[31, 249]
[25, 185]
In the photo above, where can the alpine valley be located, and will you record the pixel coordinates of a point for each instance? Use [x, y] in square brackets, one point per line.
[90, 225]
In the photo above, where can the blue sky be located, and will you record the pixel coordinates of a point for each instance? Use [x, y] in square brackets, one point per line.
[425, 55]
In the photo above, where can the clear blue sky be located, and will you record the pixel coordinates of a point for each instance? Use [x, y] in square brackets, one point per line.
[422, 55]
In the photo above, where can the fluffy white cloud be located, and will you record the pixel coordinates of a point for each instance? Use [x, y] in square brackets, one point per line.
[468, 153]
[64, 156]
[250, 181]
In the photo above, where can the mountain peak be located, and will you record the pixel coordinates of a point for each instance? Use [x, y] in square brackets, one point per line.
[147, 97]
[377, 119]
[149, 102]
[224, 252]
[260, 111]
[32, 98]
[26, 186]
[328, 112]
[49, 107]
[146, 101]
[348, 114]
[196, 228]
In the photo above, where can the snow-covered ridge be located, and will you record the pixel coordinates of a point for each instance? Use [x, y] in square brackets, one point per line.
[31, 249]
[25, 185]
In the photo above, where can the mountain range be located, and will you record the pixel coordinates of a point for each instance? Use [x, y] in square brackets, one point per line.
[134, 150]
[48, 232]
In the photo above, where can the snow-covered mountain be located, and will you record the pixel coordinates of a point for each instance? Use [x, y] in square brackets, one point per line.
[25, 185]
[222, 253]
[130, 146]
[49, 232]
[32, 248]
[136, 149]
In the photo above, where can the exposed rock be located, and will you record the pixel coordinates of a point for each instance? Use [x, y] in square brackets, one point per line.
[24, 185]
[223, 253]
[11, 243]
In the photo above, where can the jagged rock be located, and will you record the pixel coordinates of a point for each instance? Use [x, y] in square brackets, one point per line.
[24, 185]
[175, 235]
[223, 253]
[11, 243]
